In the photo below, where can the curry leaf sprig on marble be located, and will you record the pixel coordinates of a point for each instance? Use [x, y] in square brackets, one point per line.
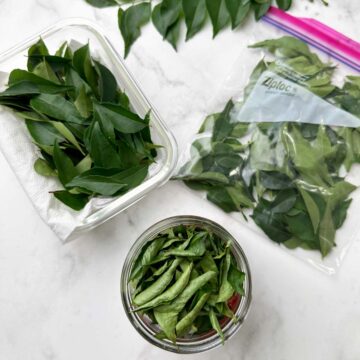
[168, 15]
[187, 281]
[87, 134]
[290, 175]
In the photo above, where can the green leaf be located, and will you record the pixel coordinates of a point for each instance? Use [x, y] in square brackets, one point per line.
[26, 88]
[130, 22]
[219, 14]
[166, 18]
[123, 100]
[107, 83]
[83, 103]
[312, 208]
[290, 47]
[123, 120]
[240, 196]
[293, 243]
[57, 64]
[98, 184]
[83, 64]
[73, 79]
[340, 212]
[173, 33]
[158, 286]
[275, 180]
[19, 75]
[102, 3]
[43, 133]
[215, 324]
[109, 182]
[74, 201]
[261, 9]
[42, 168]
[196, 248]
[236, 279]
[148, 254]
[223, 126]
[132, 176]
[103, 153]
[301, 227]
[284, 201]
[84, 165]
[64, 165]
[38, 48]
[22, 82]
[57, 107]
[186, 322]
[284, 4]
[67, 134]
[309, 160]
[167, 322]
[238, 10]
[226, 291]
[207, 263]
[220, 197]
[44, 70]
[172, 291]
[195, 16]
[61, 51]
[340, 191]
[269, 216]
[327, 232]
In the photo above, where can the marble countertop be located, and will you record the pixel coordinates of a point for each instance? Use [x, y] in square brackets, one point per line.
[62, 302]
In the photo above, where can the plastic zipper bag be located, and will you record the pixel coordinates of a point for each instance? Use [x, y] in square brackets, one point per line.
[282, 156]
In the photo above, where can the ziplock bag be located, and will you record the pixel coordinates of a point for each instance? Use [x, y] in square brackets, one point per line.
[283, 154]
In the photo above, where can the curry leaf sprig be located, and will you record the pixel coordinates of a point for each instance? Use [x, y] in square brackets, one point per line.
[187, 281]
[87, 134]
[288, 176]
[168, 15]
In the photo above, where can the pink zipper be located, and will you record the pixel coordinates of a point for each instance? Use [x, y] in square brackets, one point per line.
[318, 35]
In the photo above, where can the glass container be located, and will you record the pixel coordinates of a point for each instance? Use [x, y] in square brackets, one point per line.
[82, 31]
[195, 343]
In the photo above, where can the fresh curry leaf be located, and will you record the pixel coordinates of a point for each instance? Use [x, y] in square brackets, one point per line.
[123, 120]
[166, 18]
[261, 8]
[218, 13]
[43, 133]
[64, 165]
[82, 122]
[238, 10]
[284, 4]
[56, 107]
[42, 168]
[38, 48]
[74, 201]
[130, 22]
[102, 3]
[195, 15]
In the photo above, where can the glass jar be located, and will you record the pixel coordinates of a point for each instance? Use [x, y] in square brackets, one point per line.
[146, 328]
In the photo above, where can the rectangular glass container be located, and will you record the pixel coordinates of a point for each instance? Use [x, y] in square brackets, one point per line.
[83, 31]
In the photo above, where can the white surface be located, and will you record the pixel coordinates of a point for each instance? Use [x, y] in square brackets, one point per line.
[62, 301]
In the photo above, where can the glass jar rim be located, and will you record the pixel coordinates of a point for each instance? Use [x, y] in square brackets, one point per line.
[201, 343]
